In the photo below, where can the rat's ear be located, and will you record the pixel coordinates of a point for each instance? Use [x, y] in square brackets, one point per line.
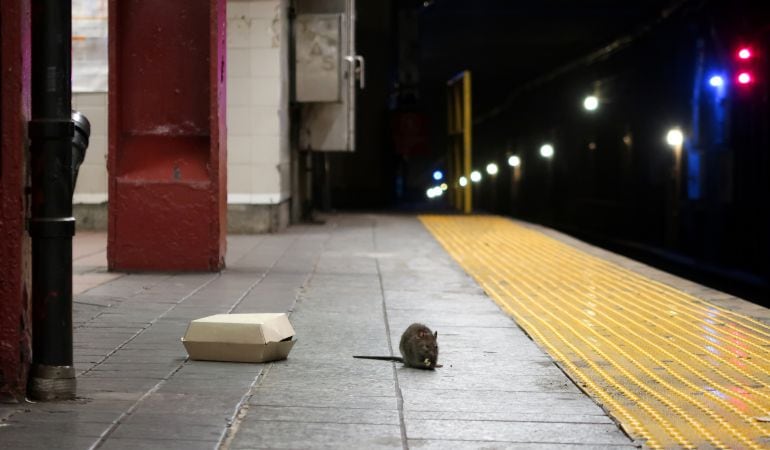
[435, 334]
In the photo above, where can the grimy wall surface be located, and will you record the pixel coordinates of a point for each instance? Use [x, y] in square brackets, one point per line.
[15, 332]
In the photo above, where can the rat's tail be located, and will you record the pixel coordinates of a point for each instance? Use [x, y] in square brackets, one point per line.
[382, 358]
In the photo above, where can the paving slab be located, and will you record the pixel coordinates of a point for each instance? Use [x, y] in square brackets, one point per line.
[496, 384]
[294, 435]
[351, 286]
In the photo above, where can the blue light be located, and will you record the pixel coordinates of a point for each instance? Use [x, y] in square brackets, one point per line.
[694, 175]
[438, 175]
[717, 81]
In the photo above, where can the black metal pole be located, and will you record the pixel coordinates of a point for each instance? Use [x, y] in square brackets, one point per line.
[51, 224]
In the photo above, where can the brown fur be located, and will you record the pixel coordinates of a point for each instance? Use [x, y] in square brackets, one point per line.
[418, 347]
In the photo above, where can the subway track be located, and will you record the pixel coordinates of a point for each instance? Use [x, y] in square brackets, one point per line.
[673, 370]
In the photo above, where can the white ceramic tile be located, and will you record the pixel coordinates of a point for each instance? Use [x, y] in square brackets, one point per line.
[238, 62]
[266, 91]
[265, 61]
[265, 120]
[265, 178]
[271, 198]
[265, 149]
[239, 32]
[239, 121]
[239, 178]
[91, 199]
[237, 8]
[264, 34]
[96, 154]
[264, 8]
[240, 150]
[240, 91]
[97, 117]
[84, 99]
[92, 179]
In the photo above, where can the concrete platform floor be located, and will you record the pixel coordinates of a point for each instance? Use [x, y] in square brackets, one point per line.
[351, 286]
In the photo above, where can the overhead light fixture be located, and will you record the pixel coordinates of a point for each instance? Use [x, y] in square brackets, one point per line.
[434, 192]
[546, 151]
[514, 161]
[591, 103]
[674, 137]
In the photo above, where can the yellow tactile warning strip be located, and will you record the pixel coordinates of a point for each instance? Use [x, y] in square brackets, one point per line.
[674, 370]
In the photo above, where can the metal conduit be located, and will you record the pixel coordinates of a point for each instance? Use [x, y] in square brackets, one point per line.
[51, 224]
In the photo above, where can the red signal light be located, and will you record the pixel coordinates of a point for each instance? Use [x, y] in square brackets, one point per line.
[745, 70]
[745, 53]
[745, 78]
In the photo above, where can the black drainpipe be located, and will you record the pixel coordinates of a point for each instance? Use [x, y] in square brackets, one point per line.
[51, 224]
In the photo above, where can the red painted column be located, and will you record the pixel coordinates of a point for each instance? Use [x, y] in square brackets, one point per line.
[15, 250]
[167, 163]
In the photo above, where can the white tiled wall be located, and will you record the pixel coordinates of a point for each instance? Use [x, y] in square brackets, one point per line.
[257, 104]
[257, 111]
[92, 177]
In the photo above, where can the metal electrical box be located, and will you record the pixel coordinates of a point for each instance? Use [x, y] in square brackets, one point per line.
[327, 75]
[318, 49]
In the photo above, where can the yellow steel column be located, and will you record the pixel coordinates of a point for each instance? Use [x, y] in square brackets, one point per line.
[450, 146]
[467, 140]
[456, 136]
[459, 122]
[456, 154]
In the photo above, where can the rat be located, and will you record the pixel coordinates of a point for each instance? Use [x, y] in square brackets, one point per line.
[418, 347]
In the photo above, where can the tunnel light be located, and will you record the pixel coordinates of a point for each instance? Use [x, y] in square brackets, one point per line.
[438, 175]
[434, 192]
[492, 169]
[745, 78]
[514, 161]
[475, 176]
[627, 139]
[591, 103]
[463, 181]
[546, 151]
[717, 81]
[674, 137]
[444, 186]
